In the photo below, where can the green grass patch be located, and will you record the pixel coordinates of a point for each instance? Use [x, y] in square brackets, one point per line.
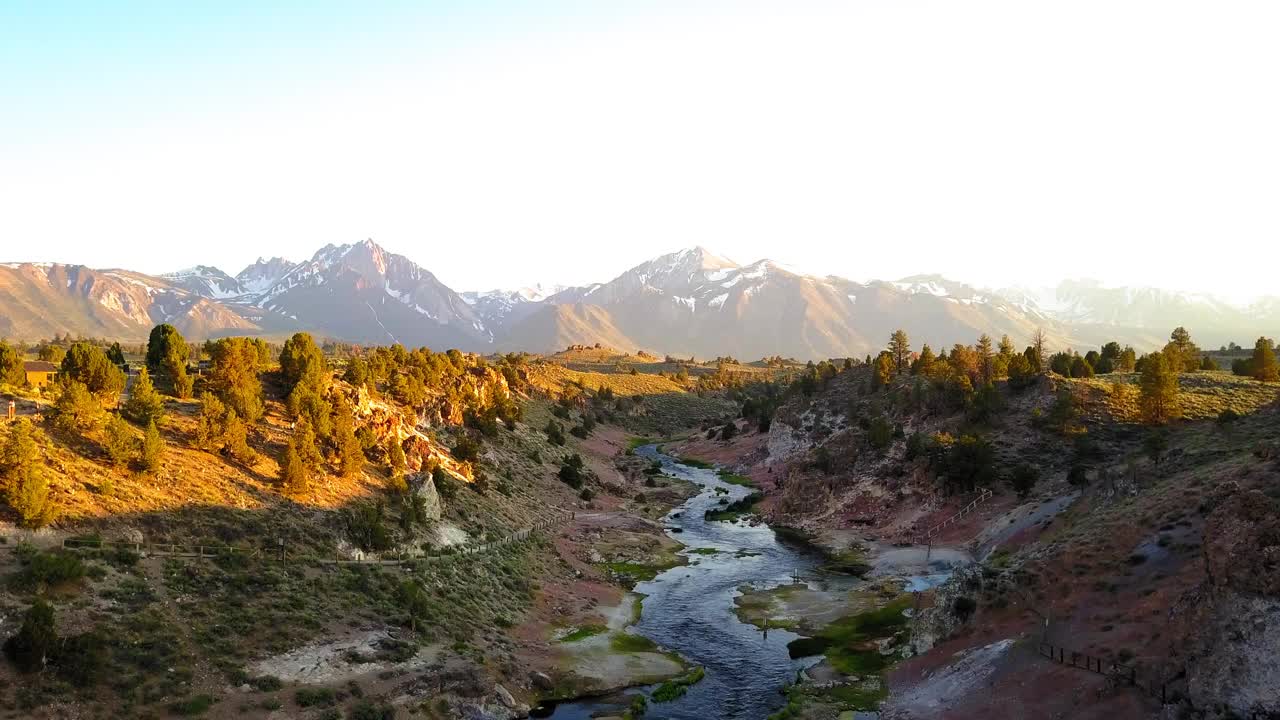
[630, 643]
[639, 572]
[850, 644]
[734, 478]
[583, 633]
[672, 689]
[704, 551]
[695, 462]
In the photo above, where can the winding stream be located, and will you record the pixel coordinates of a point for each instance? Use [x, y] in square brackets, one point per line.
[690, 609]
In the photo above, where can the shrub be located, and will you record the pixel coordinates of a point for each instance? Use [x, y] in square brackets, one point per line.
[314, 697]
[366, 527]
[963, 608]
[1023, 478]
[35, 639]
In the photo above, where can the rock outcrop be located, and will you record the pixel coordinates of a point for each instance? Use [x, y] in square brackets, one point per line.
[1231, 623]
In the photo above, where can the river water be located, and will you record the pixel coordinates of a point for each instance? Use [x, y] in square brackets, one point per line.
[690, 609]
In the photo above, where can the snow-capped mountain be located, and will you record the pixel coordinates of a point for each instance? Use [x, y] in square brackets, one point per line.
[261, 275]
[687, 302]
[363, 293]
[39, 300]
[697, 302]
[206, 281]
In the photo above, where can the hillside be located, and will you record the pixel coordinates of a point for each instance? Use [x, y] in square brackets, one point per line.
[442, 593]
[1113, 545]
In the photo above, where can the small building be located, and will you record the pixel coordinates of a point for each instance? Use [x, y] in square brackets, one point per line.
[40, 373]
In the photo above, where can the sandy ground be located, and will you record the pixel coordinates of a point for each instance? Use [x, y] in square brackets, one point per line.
[326, 662]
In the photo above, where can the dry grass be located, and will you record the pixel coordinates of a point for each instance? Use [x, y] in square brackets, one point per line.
[1204, 395]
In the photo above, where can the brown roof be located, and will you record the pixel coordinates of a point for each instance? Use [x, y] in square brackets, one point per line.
[39, 366]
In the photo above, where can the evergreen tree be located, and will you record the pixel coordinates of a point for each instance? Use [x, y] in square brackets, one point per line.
[11, 370]
[1128, 360]
[924, 363]
[882, 370]
[395, 459]
[357, 372]
[350, 454]
[1159, 390]
[1080, 368]
[1264, 364]
[76, 408]
[152, 448]
[1181, 354]
[209, 428]
[144, 405]
[986, 360]
[306, 401]
[88, 365]
[120, 443]
[294, 477]
[115, 354]
[233, 376]
[24, 484]
[235, 439]
[302, 362]
[304, 445]
[35, 641]
[899, 351]
[167, 356]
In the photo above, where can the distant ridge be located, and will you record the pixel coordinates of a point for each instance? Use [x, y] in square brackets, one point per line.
[690, 302]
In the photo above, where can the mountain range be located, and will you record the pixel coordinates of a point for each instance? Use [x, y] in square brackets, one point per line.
[692, 302]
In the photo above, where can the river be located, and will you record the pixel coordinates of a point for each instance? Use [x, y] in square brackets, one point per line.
[690, 609]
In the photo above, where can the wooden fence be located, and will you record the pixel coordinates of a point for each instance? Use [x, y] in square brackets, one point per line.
[1072, 658]
[983, 496]
[186, 550]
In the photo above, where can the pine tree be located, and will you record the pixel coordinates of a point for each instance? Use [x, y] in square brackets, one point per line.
[882, 370]
[350, 454]
[923, 364]
[1128, 360]
[899, 351]
[986, 360]
[304, 445]
[233, 376]
[152, 448]
[294, 477]
[24, 484]
[396, 459]
[120, 443]
[88, 365]
[115, 354]
[145, 404]
[1181, 354]
[209, 429]
[1264, 364]
[167, 356]
[11, 372]
[235, 439]
[1159, 391]
[301, 362]
[76, 408]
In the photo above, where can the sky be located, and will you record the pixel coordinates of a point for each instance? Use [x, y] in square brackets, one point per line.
[500, 144]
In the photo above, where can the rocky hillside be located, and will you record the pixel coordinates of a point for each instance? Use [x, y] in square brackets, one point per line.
[1145, 548]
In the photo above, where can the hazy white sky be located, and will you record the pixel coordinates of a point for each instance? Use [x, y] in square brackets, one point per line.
[500, 143]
